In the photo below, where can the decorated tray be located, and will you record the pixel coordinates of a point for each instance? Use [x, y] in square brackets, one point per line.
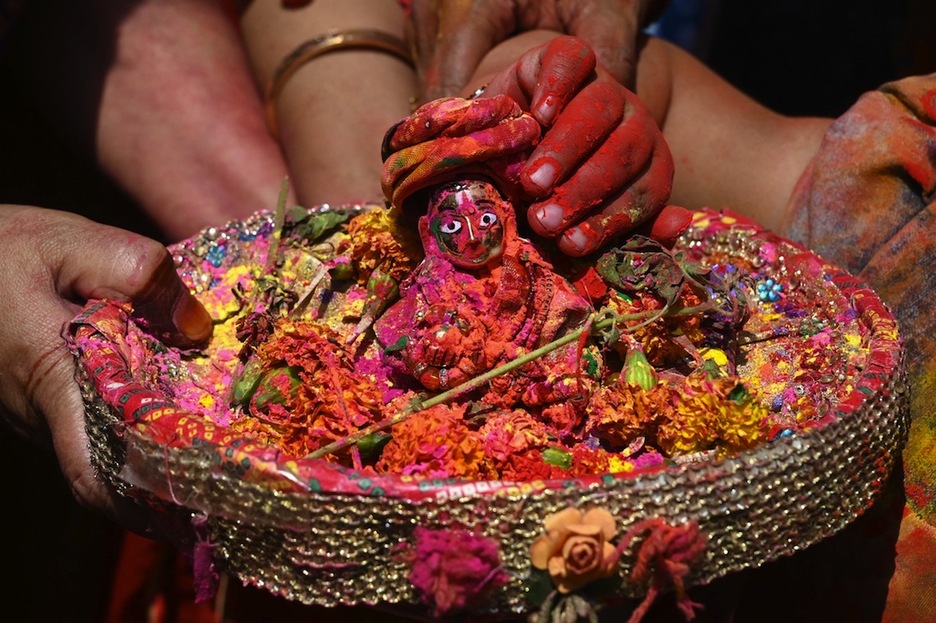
[716, 406]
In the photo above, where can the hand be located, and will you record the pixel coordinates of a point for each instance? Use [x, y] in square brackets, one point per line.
[451, 37]
[53, 262]
[602, 168]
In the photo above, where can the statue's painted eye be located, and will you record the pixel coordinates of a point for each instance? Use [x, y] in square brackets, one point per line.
[488, 219]
[450, 227]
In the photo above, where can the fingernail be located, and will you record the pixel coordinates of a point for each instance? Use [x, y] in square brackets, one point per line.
[546, 110]
[192, 319]
[549, 217]
[575, 239]
[544, 174]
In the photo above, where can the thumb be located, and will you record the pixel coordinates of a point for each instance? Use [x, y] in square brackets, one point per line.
[124, 266]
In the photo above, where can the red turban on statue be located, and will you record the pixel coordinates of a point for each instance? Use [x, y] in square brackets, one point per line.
[448, 137]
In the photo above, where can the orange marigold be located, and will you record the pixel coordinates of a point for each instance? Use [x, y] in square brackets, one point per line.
[321, 398]
[506, 433]
[621, 412]
[435, 443]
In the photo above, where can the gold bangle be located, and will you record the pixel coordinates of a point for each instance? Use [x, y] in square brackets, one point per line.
[323, 44]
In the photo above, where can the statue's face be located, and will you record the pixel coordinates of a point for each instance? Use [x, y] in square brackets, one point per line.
[466, 220]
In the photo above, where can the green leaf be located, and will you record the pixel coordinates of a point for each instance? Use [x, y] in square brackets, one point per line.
[276, 386]
[642, 265]
[312, 226]
[246, 382]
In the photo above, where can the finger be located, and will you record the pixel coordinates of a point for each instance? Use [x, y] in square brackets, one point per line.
[467, 31]
[634, 206]
[421, 30]
[412, 167]
[584, 124]
[547, 77]
[619, 160]
[565, 64]
[611, 29]
[667, 226]
[124, 266]
[449, 117]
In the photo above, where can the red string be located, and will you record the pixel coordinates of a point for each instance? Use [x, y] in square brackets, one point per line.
[666, 553]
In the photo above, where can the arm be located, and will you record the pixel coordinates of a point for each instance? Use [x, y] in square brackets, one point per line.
[335, 109]
[451, 38]
[729, 151]
[160, 92]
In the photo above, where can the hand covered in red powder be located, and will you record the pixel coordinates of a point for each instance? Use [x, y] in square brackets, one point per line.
[451, 37]
[52, 263]
[602, 168]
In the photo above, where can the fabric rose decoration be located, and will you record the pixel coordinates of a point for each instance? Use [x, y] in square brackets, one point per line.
[576, 548]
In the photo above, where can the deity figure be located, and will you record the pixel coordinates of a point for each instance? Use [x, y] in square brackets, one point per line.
[482, 296]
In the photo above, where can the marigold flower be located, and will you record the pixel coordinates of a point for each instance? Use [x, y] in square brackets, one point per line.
[506, 433]
[576, 548]
[528, 466]
[313, 395]
[379, 239]
[435, 443]
[711, 413]
[621, 412]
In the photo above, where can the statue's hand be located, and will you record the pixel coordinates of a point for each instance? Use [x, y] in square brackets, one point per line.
[444, 348]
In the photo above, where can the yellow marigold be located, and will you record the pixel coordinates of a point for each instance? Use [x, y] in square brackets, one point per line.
[712, 413]
[379, 238]
[576, 549]
[435, 443]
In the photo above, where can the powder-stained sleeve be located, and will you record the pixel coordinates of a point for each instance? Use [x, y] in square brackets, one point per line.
[866, 202]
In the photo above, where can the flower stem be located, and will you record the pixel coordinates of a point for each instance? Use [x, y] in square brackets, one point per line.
[599, 321]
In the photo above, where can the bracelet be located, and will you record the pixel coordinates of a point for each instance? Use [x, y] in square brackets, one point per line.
[323, 44]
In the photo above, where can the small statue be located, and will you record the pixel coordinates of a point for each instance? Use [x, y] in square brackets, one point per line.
[481, 297]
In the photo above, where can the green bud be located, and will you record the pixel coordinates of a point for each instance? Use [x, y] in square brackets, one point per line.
[557, 457]
[638, 371]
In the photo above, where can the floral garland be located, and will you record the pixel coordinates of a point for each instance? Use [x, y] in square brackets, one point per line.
[654, 377]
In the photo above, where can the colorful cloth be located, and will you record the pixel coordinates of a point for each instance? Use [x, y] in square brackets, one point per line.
[867, 202]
